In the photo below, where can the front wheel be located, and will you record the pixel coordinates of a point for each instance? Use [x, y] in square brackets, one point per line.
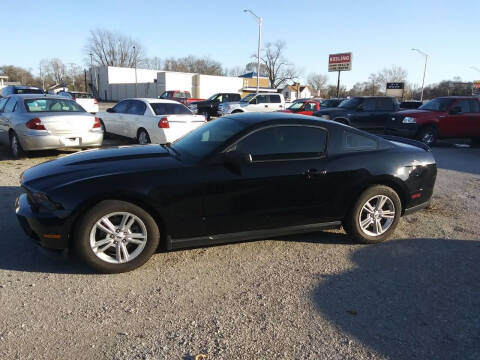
[116, 236]
[428, 135]
[374, 216]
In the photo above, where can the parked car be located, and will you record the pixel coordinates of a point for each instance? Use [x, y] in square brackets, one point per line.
[303, 107]
[261, 102]
[20, 89]
[32, 122]
[149, 120]
[329, 103]
[367, 113]
[410, 104]
[85, 100]
[240, 177]
[440, 118]
[183, 97]
[209, 107]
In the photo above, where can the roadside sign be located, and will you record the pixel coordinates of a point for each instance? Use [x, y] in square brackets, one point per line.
[340, 62]
[395, 89]
[476, 87]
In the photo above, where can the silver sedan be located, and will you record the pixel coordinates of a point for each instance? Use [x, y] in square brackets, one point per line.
[40, 122]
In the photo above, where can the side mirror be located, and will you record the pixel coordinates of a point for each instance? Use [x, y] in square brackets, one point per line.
[455, 110]
[237, 158]
[110, 110]
[253, 101]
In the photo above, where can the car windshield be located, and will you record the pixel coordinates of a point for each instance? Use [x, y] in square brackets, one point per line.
[82, 95]
[52, 105]
[170, 109]
[248, 97]
[296, 105]
[205, 139]
[351, 103]
[328, 103]
[440, 104]
[29, 91]
[212, 97]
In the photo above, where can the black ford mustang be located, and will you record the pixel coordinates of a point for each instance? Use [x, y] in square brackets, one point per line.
[240, 177]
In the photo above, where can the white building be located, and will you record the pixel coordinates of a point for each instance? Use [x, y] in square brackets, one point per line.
[117, 83]
[297, 91]
[3, 81]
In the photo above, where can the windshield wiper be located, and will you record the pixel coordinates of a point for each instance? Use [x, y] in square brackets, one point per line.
[169, 146]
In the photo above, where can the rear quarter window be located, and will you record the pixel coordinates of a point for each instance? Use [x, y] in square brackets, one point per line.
[351, 142]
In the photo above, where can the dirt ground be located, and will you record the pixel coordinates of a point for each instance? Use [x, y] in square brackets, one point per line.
[315, 296]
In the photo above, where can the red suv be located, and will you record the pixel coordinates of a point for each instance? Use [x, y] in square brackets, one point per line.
[440, 118]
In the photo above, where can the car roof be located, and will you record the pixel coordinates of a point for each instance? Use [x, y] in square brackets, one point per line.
[456, 97]
[37, 96]
[155, 101]
[254, 118]
[24, 87]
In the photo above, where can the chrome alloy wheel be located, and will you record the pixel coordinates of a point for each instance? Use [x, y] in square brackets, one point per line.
[118, 237]
[143, 138]
[428, 138]
[377, 215]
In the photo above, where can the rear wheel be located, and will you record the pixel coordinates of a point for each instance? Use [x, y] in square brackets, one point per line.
[236, 111]
[106, 135]
[428, 135]
[15, 147]
[142, 137]
[116, 236]
[374, 216]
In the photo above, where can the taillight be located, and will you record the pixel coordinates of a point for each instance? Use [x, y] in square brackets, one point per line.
[95, 101]
[35, 124]
[97, 123]
[163, 123]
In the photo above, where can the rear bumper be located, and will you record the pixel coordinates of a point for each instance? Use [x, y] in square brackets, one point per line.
[44, 140]
[45, 229]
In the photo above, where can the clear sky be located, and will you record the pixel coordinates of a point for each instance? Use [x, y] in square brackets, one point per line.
[378, 33]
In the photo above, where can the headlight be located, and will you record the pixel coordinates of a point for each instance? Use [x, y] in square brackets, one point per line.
[193, 107]
[408, 120]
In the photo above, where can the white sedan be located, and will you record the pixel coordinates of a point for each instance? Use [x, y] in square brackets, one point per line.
[150, 120]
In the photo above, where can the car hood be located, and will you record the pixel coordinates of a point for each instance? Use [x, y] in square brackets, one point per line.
[201, 102]
[235, 103]
[98, 163]
[412, 112]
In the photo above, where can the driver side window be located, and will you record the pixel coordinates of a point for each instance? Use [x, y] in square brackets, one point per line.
[121, 107]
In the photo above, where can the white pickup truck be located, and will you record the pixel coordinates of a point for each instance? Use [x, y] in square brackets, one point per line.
[261, 102]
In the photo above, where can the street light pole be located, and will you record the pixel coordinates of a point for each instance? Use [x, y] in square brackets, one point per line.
[91, 69]
[135, 55]
[424, 70]
[260, 21]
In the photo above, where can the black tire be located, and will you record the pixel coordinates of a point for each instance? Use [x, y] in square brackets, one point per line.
[16, 148]
[206, 114]
[428, 135]
[142, 137]
[237, 111]
[351, 223]
[342, 121]
[84, 228]
[106, 134]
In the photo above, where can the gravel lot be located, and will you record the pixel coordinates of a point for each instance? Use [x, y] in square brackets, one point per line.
[316, 296]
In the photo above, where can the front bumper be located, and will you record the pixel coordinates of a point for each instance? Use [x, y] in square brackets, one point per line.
[45, 229]
[400, 129]
[32, 140]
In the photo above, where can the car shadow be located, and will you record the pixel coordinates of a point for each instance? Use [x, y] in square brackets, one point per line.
[19, 253]
[408, 299]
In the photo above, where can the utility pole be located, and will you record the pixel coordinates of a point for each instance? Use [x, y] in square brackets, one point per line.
[91, 70]
[424, 70]
[260, 20]
[135, 59]
[338, 84]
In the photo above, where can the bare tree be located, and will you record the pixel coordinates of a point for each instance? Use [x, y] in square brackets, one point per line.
[234, 71]
[153, 63]
[16, 73]
[113, 49]
[393, 74]
[278, 69]
[318, 82]
[192, 64]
